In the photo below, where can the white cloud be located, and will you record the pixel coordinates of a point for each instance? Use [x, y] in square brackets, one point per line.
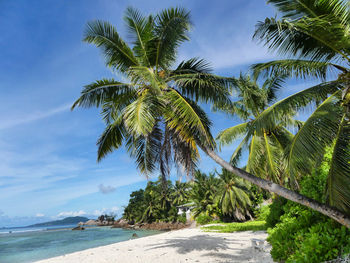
[72, 213]
[106, 189]
[39, 215]
[34, 116]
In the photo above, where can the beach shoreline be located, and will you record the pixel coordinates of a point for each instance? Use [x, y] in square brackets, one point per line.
[185, 245]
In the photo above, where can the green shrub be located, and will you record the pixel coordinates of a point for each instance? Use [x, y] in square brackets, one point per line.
[323, 241]
[203, 219]
[302, 234]
[276, 211]
[182, 218]
[263, 212]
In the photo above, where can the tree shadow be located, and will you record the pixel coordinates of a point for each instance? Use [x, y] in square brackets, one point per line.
[214, 246]
[203, 242]
[249, 254]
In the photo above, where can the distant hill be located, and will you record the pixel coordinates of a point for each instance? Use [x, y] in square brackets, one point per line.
[65, 221]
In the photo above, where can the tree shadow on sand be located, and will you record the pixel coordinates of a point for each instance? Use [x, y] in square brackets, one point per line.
[215, 247]
[203, 242]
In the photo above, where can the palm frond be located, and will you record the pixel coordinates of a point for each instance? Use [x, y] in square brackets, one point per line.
[237, 154]
[146, 150]
[272, 85]
[193, 65]
[279, 112]
[194, 79]
[327, 31]
[141, 115]
[112, 108]
[141, 31]
[186, 154]
[111, 138]
[256, 153]
[338, 191]
[117, 53]
[300, 39]
[95, 94]
[165, 156]
[172, 26]
[295, 68]
[318, 131]
[274, 159]
[296, 9]
[146, 77]
[231, 134]
[283, 136]
[188, 119]
[269, 155]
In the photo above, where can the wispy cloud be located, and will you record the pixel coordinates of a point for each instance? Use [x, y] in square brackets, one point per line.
[34, 116]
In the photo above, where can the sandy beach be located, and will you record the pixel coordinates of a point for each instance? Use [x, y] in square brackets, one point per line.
[186, 245]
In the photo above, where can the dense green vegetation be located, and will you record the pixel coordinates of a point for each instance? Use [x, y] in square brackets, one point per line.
[299, 234]
[156, 203]
[217, 196]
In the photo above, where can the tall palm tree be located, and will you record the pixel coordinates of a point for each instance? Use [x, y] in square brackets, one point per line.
[155, 113]
[234, 198]
[266, 147]
[314, 36]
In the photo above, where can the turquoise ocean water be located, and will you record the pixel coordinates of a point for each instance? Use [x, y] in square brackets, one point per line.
[31, 244]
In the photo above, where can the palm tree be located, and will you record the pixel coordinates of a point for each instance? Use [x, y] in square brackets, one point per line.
[315, 37]
[153, 206]
[234, 200]
[156, 113]
[204, 192]
[180, 193]
[266, 147]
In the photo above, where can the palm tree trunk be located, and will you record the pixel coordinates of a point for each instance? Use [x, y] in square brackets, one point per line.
[284, 192]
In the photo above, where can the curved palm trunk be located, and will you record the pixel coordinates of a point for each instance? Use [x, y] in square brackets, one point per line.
[284, 192]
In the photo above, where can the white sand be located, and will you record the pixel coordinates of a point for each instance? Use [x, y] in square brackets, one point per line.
[186, 245]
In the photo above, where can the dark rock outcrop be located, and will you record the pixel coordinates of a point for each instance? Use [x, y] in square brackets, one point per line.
[121, 223]
[78, 228]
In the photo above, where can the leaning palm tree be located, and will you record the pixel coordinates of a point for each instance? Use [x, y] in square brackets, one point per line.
[266, 147]
[155, 113]
[315, 37]
[234, 200]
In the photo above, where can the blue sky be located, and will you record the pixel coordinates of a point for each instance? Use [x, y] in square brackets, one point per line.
[48, 163]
